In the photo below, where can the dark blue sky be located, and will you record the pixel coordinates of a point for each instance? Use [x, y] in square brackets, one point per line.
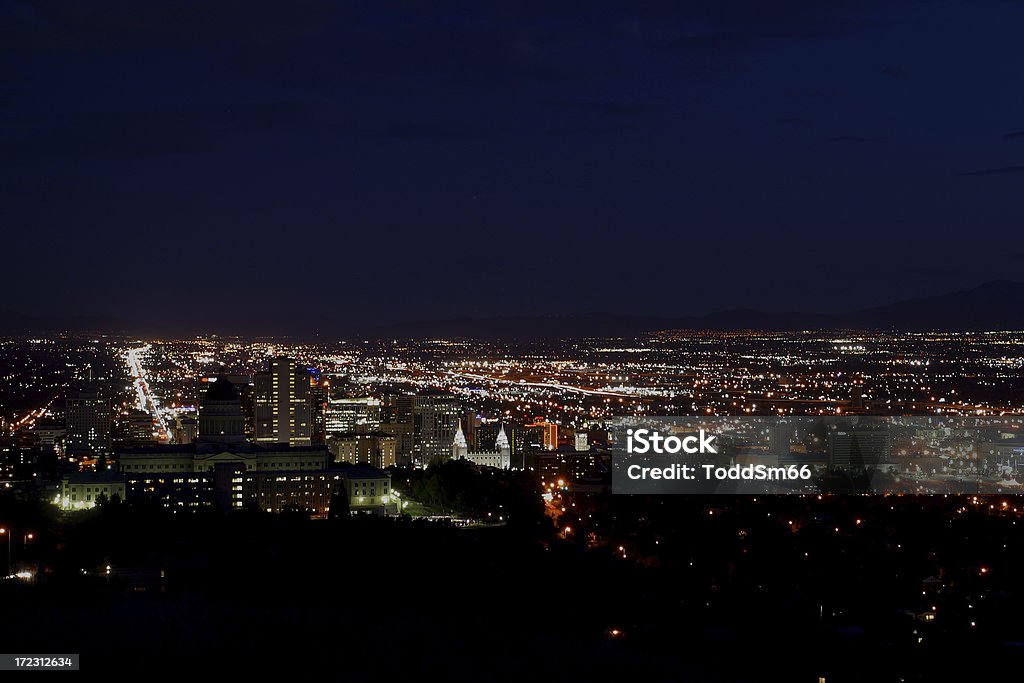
[217, 163]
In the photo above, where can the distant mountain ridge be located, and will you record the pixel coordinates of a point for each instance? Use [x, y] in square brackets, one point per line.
[20, 323]
[996, 305]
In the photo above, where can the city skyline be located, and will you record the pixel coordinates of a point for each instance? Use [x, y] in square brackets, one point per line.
[573, 341]
[139, 475]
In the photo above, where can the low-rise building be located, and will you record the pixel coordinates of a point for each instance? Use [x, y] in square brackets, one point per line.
[368, 490]
[82, 490]
[203, 456]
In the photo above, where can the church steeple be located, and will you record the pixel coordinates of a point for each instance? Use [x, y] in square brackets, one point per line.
[460, 448]
[501, 443]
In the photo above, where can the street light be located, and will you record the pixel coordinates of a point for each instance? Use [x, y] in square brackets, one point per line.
[7, 533]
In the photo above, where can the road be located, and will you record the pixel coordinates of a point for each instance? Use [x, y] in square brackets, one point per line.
[146, 399]
[29, 420]
[542, 385]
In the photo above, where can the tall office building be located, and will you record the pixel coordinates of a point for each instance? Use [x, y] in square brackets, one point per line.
[780, 437]
[138, 428]
[319, 395]
[436, 417]
[396, 418]
[402, 433]
[346, 415]
[396, 406]
[88, 419]
[546, 433]
[282, 404]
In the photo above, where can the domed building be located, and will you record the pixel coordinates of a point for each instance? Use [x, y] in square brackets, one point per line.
[221, 419]
[224, 469]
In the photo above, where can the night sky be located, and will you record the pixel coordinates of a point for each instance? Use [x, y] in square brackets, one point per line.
[252, 165]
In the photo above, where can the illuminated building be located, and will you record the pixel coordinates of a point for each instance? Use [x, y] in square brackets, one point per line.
[88, 419]
[50, 433]
[204, 474]
[140, 427]
[500, 457]
[397, 419]
[212, 470]
[282, 404]
[246, 390]
[319, 394]
[368, 490]
[519, 438]
[436, 416]
[345, 415]
[547, 432]
[372, 448]
[203, 456]
[280, 491]
[188, 490]
[396, 406]
[580, 441]
[81, 490]
[403, 435]
[572, 466]
[230, 485]
[220, 415]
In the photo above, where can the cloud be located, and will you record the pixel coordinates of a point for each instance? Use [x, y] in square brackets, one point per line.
[1014, 135]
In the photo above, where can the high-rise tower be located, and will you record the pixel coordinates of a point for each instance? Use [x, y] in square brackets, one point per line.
[282, 404]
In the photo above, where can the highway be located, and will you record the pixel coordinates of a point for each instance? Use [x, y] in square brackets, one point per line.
[146, 400]
[541, 385]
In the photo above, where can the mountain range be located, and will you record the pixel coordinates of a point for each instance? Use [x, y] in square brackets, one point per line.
[996, 305]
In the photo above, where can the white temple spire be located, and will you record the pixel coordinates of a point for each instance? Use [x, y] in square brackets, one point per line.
[502, 441]
[460, 447]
